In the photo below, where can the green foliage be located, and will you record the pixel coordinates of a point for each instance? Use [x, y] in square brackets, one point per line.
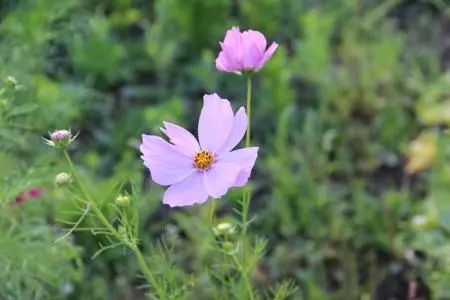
[34, 266]
[336, 111]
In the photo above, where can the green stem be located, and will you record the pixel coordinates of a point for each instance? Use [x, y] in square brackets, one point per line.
[141, 260]
[249, 108]
[248, 286]
[246, 196]
[211, 214]
[77, 178]
[246, 274]
[146, 271]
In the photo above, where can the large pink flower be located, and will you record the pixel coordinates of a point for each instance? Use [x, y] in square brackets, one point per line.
[196, 170]
[244, 51]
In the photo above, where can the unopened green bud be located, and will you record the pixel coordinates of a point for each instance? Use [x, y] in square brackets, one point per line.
[62, 179]
[123, 200]
[12, 81]
[425, 222]
[223, 229]
[228, 247]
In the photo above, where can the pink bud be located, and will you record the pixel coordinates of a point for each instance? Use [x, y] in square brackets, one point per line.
[60, 136]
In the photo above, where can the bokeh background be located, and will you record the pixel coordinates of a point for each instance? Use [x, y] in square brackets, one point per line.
[352, 185]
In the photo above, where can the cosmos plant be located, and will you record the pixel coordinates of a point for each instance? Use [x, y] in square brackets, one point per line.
[194, 170]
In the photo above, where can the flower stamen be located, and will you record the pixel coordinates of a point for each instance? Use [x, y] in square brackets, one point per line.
[203, 159]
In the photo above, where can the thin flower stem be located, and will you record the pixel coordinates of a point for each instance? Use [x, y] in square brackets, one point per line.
[246, 274]
[248, 286]
[140, 258]
[246, 196]
[85, 212]
[248, 108]
[211, 214]
[146, 271]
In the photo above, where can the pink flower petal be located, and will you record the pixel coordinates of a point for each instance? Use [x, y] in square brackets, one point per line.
[222, 63]
[35, 192]
[232, 51]
[245, 158]
[233, 37]
[183, 140]
[220, 178]
[189, 191]
[258, 40]
[21, 198]
[166, 165]
[267, 55]
[232, 42]
[225, 64]
[215, 123]
[237, 131]
[252, 58]
[252, 51]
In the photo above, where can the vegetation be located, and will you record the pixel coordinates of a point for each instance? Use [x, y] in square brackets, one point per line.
[350, 190]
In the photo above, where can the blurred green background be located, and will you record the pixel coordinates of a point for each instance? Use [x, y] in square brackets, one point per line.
[352, 185]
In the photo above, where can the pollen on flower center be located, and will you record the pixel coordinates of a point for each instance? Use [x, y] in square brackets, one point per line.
[203, 159]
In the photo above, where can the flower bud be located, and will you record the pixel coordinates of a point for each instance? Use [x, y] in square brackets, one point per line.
[425, 222]
[62, 179]
[60, 138]
[223, 229]
[12, 82]
[123, 200]
[228, 247]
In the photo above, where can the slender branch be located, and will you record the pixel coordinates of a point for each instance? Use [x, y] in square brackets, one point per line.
[146, 271]
[85, 212]
[141, 261]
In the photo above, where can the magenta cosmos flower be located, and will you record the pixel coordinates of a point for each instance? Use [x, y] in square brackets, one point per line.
[30, 194]
[195, 170]
[244, 51]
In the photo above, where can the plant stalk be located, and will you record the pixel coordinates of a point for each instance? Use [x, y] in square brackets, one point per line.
[246, 274]
[140, 258]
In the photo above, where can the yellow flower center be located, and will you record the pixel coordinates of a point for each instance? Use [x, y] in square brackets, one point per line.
[203, 159]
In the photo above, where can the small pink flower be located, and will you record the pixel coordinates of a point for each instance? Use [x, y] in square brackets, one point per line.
[35, 192]
[244, 51]
[21, 198]
[30, 194]
[196, 170]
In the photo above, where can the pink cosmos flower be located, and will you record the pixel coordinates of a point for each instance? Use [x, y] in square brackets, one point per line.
[244, 51]
[196, 170]
[32, 193]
